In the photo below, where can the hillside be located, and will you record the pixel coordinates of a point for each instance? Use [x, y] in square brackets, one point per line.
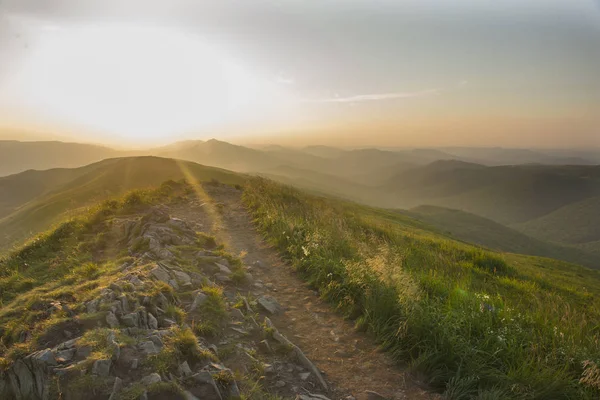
[475, 229]
[478, 324]
[575, 223]
[59, 193]
[506, 194]
[21, 156]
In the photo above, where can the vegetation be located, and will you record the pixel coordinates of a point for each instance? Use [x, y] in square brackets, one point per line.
[476, 323]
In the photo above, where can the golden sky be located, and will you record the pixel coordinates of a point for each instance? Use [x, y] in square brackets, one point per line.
[406, 72]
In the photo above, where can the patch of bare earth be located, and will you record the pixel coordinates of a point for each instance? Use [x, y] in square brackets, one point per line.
[350, 360]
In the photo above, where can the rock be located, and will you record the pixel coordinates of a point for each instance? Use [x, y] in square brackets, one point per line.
[131, 320]
[184, 369]
[148, 347]
[69, 344]
[92, 306]
[112, 320]
[198, 301]
[222, 278]
[157, 341]
[173, 283]
[279, 384]
[101, 367]
[258, 264]
[45, 357]
[168, 322]
[64, 356]
[182, 277]
[371, 395]
[84, 351]
[134, 363]
[124, 302]
[236, 314]
[189, 396]
[151, 379]
[136, 281]
[152, 322]
[204, 386]
[270, 304]
[118, 385]
[304, 376]
[161, 274]
[224, 269]
[311, 396]
[234, 391]
[115, 287]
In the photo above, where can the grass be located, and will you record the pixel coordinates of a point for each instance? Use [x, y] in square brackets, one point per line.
[181, 346]
[476, 323]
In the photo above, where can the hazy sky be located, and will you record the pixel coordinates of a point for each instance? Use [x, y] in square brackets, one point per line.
[403, 72]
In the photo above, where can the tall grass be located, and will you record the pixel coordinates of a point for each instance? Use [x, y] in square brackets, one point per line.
[474, 324]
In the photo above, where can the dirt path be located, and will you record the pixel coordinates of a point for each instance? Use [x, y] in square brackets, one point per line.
[351, 362]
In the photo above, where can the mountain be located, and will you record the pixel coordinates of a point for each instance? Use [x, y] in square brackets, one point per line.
[472, 228]
[59, 193]
[493, 156]
[505, 194]
[575, 223]
[20, 156]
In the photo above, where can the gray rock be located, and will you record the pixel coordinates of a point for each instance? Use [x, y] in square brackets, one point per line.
[117, 387]
[151, 379]
[311, 396]
[161, 274]
[371, 395]
[222, 278]
[84, 351]
[204, 386]
[279, 384]
[92, 306]
[65, 355]
[182, 277]
[134, 363]
[124, 302]
[69, 344]
[136, 281]
[235, 313]
[224, 269]
[112, 320]
[157, 341]
[148, 347]
[173, 283]
[270, 304]
[45, 357]
[169, 322]
[131, 320]
[152, 322]
[189, 396]
[304, 376]
[101, 367]
[198, 301]
[184, 369]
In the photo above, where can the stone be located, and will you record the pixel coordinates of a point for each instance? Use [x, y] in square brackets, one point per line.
[124, 302]
[148, 347]
[311, 396]
[224, 269]
[235, 313]
[198, 301]
[182, 277]
[64, 356]
[112, 320]
[152, 322]
[101, 367]
[69, 344]
[304, 376]
[151, 379]
[371, 395]
[234, 391]
[173, 283]
[279, 384]
[84, 351]
[117, 387]
[189, 396]
[136, 281]
[184, 369]
[222, 278]
[92, 306]
[131, 320]
[169, 322]
[161, 274]
[204, 386]
[45, 357]
[115, 287]
[134, 363]
[270, 304]
[157, 341]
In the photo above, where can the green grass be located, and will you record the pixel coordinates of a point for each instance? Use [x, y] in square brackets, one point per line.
[476, 323]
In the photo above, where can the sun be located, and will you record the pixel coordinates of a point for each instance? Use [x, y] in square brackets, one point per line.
[140, 83]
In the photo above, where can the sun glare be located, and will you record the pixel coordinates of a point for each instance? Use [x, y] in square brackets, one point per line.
[140, 83]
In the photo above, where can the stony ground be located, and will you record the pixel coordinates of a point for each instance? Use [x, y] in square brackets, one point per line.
[186, 318]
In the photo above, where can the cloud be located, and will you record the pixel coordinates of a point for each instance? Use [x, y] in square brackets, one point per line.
[377, 96]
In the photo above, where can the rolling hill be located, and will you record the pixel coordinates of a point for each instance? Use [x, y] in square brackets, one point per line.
[472, 228]
[59, 193]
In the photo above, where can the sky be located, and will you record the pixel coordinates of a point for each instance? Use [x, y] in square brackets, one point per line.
[520, 73]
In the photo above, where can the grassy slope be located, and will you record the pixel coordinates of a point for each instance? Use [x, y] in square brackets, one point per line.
[475, 229]
[575, 223]
[478, 324]
[95, 183]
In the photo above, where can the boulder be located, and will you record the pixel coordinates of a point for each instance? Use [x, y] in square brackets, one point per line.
[270, 304]
[151, 379]
[161, 274]
[204, 386]
[198, 301]
[101, 367]
[184, 369]
[117, 387]
[148, 347]
[152, 322]
[112, 320]
[182, 277]
[131, 320]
